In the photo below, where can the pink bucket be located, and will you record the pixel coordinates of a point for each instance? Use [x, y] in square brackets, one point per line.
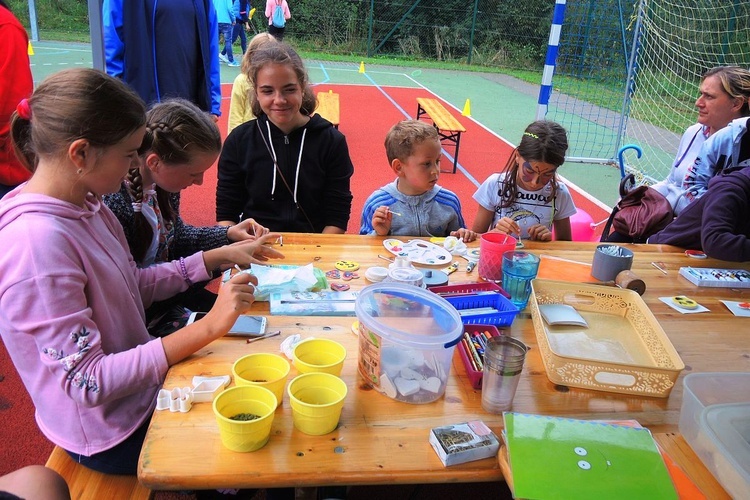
[492, 246]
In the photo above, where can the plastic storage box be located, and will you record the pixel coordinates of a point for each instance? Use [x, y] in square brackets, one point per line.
[475, 376]
[407, 336]
[624, 348]
[715, 421]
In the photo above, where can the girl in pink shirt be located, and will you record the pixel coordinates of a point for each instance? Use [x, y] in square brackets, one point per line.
[71, 296]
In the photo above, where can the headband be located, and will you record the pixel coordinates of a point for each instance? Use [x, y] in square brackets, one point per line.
[23, 109]
[531, 135]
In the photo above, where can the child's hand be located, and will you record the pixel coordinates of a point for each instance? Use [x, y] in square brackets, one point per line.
[243, 253]
[235, 297]
[508, 226]
[466, 235]
[381, 220]
[540, 232]
[248, 229]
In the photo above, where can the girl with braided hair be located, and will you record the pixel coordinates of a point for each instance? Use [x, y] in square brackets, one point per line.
[180, 144]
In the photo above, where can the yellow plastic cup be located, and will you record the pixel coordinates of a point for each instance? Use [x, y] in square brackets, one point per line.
[245, 435]
[263, 370]
[316, 400]
[319, 355]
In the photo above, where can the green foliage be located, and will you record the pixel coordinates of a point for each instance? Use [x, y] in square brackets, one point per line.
[65, 20]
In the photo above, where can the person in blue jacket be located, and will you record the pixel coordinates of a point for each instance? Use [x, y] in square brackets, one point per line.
[165, 48]
[726, 150]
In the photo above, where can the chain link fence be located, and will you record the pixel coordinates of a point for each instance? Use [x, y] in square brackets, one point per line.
[502, 33]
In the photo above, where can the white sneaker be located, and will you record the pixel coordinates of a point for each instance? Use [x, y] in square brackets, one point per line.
[223, 58]
[233, 64]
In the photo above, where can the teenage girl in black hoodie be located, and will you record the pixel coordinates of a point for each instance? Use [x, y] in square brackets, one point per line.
[288, 170]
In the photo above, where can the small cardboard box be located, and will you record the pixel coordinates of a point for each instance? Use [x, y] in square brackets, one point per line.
[464, 442]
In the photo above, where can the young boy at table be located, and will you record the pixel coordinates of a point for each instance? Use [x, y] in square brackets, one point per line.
[414, 204]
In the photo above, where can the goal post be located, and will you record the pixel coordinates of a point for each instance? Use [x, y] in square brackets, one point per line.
[628, 72]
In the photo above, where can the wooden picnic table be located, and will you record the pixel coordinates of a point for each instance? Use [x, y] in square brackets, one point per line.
[383, 441]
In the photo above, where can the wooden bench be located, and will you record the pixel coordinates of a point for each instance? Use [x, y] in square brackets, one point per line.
[85, 483]
[328, 107]
[448, 128]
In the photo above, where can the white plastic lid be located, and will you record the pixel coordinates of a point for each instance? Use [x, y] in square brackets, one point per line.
[388, 309]
[728, 425]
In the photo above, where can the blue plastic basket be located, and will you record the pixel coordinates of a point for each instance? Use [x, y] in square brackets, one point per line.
[504, 315]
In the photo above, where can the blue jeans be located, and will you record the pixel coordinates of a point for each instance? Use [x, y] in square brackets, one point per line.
[239, 31]
[226, 30]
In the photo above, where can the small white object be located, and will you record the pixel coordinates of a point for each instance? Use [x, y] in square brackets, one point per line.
[416, 359]
[205, 389]
[406, 387]
[410, 374]
[287, 345]
[176, 400]
[163, 399]
[393, 360]
[186, 400]
[387, 386]
[561, 314]
[376, 274]
[431, 384]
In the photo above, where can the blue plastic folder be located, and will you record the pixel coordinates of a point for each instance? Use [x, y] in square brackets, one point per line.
[552, 457]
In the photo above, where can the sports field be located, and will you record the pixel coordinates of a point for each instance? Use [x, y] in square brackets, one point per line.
[373, 100]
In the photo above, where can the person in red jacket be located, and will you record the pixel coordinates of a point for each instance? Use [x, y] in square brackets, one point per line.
[15, 84]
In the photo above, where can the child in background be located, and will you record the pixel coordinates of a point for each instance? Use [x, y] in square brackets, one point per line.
[526, 199]
[180, 144]
[72, 298]
[240, 110]
[413, 204]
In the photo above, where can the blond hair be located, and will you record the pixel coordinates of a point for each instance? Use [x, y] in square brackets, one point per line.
[404, 136]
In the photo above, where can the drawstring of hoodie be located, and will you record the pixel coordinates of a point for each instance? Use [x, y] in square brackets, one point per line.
[275, 161]
[299, 162]
[273, 154]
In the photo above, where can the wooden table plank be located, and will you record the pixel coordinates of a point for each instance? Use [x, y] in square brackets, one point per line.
[383, 441]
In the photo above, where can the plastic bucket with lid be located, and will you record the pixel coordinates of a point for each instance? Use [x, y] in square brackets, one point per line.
[406, 341]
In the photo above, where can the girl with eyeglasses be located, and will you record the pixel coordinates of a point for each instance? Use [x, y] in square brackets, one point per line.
[526, 199]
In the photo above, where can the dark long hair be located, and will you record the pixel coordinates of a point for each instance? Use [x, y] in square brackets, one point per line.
[542, 141]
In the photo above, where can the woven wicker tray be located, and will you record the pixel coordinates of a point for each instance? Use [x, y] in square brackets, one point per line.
[624, 349]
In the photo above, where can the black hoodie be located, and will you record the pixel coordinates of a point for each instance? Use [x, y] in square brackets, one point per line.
[250, 186]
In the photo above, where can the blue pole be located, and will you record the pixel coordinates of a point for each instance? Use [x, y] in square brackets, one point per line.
[558, 17]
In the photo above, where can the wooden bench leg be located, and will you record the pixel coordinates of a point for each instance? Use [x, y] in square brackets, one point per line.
[87, 484]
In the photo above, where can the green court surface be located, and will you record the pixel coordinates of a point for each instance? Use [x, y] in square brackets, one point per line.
[500, 104]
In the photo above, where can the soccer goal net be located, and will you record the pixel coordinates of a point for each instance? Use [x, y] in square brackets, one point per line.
[628, 72]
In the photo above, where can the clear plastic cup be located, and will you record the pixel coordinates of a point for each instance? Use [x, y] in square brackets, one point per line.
[519, 268]
[503, 363]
